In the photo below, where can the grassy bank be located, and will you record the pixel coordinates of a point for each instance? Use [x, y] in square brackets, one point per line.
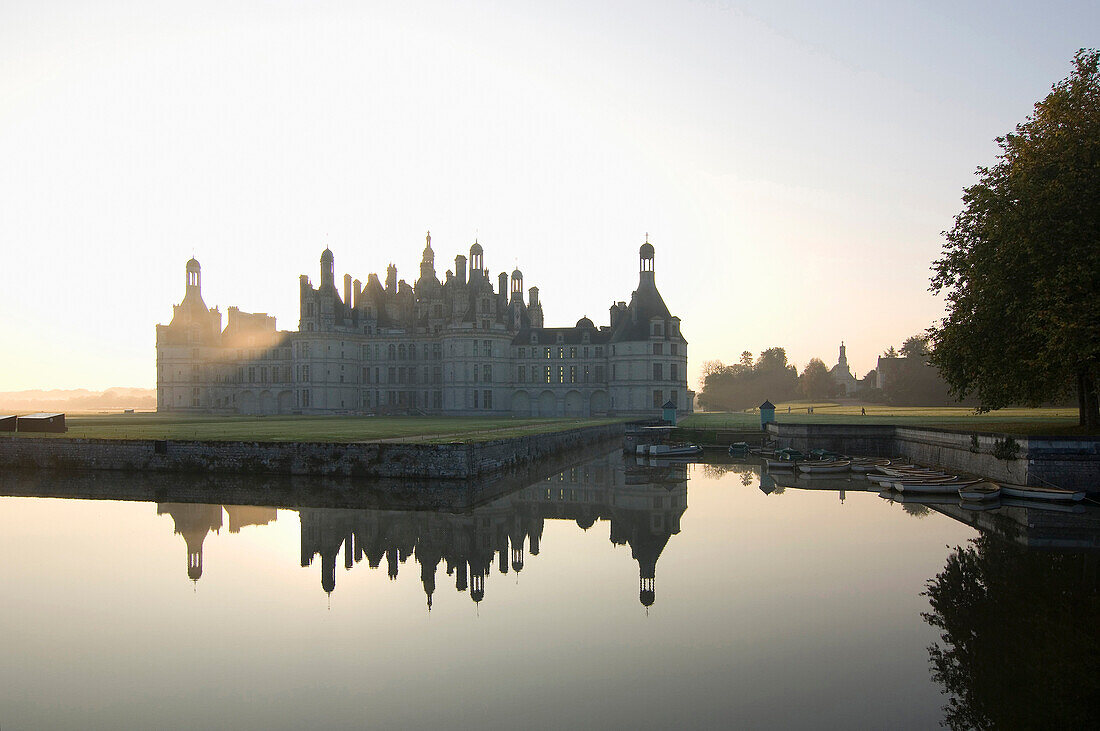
[314, 428]
[1036, 422]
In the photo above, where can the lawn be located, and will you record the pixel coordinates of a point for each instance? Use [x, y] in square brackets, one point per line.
[314, 428]
[1052, 421]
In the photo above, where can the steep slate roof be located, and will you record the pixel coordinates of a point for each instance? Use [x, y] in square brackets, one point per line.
[645, 304]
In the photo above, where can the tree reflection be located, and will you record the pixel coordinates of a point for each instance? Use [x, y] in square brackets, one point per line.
[1020, 642]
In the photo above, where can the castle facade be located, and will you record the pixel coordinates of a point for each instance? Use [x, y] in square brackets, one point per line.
[459, 346]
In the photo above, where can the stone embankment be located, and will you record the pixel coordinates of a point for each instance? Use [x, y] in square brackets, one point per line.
[368, 459]
[1067, 462]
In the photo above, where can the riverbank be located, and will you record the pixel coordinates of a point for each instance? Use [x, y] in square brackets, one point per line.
[1066, 462]
[355, 459]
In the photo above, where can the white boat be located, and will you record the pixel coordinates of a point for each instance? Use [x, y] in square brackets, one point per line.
[950, 486]
[1041, 493]
[888, 480]
[824, 468]
[868, 465]
[980, 491]
[780, 464]
[667, 450]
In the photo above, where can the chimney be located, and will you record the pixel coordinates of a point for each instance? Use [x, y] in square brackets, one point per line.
[460, 269]
[347, 290]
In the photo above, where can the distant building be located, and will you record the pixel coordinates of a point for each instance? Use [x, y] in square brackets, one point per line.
[457, 346]
[886, 369]
[842, 374]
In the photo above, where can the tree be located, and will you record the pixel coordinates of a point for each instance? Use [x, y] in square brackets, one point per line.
[816, 383]
[1021, 265]
[890, 352]
[916, 346]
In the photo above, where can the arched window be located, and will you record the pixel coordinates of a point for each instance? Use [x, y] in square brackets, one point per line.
[401, 352]
[393, 352]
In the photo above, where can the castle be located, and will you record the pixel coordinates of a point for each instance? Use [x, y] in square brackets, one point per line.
[456, 347]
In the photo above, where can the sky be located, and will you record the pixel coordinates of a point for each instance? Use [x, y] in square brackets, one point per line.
[793, 164]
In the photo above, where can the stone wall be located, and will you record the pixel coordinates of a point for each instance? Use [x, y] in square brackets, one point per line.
[1072, 463]
[397, 460]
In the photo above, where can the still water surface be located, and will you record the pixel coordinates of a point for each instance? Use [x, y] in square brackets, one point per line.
[607, 595]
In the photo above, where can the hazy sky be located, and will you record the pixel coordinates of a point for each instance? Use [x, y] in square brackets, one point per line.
[792, 164]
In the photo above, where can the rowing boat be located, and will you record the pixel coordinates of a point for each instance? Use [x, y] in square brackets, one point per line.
[951, 486]
[980, 491]
[825, 468]
[1041, 493]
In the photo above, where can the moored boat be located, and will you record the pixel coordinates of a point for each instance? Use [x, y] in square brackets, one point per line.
[824, 468]
[949, 486]
[668, 450]
[1041, 493]
[780, 464]
[980, 491]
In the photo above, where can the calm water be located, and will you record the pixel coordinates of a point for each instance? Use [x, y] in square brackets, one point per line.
[606, 595]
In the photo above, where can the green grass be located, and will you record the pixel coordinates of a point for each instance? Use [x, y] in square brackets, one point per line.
[314, 428]
[1052, 421]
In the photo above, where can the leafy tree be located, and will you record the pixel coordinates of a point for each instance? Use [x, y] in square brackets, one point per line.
[916, 346]
[746, 384]
[816, 382]
[890, 352]
[1021, 266]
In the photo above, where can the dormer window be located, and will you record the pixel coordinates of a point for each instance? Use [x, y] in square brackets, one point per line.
[534, 338]
[657, 329]
[561, 338]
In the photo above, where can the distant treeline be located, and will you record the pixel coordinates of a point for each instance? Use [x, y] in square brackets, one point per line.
[78, 399]
[908, 379]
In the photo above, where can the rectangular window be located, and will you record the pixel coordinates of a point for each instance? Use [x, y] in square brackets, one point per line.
[673, 372]
[586, 374]
[475, 399]
[586, 352]
[657, 402]
[488, 399]
[522, 353]
[658, 348]
[488, 373]
[561, 374]
[391, 375]
[548, 353]
[572, 374]
[475, 374]
[251, 374]
[305, 397]
[599, 352]
[672, 397]
[547, 370]
[475, 347]
[488, 346]
[572, 352]
[521, 374]
[561, 353]
[673, 349]
[657, 371]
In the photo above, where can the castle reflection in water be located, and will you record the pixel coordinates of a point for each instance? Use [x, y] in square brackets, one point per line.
[643, 506]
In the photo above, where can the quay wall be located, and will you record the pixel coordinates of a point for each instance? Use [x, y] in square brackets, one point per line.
[367, 459]
[1071, 463]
